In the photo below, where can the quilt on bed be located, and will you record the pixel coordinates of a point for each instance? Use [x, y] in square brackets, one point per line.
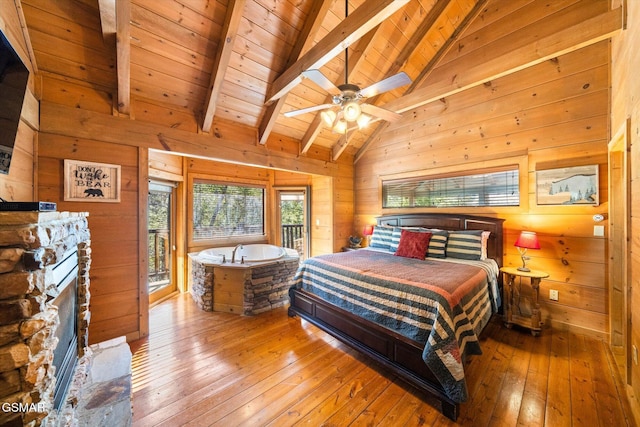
[442, 305]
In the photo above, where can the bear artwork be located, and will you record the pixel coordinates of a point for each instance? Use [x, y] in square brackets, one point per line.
[93, 192]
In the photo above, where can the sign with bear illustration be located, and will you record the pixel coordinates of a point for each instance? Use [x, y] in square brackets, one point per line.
[91, 182]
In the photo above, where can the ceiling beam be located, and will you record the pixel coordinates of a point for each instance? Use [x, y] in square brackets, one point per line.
[240, 148]
[107, 10]
[235, 9]
[115, 17]
[360, 22]
[313, 22]
[123, 55]
[456, 79]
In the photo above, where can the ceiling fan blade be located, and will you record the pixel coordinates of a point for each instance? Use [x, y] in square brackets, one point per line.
[318, 78]
[308, 110]
[387, 115]
[385, 85]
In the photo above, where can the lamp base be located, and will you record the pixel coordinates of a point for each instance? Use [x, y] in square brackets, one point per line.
[527, 269]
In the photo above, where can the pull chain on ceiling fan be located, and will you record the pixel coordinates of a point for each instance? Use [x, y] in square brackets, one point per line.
[349, 96]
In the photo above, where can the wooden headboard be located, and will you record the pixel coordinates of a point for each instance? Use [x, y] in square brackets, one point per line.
[453, 222]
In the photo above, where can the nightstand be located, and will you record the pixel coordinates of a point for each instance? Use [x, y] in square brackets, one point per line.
[512, 297]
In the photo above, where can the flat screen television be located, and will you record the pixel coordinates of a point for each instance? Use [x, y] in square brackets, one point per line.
[13, 85]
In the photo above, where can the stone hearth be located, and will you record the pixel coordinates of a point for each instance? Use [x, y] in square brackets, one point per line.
[31, 244]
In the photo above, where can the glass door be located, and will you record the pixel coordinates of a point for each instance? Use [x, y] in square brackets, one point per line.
[293, 207]
[161, 240]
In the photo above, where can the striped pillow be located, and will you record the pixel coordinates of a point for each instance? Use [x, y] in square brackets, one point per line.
[381, 237]
[437, 244]
[465, 244]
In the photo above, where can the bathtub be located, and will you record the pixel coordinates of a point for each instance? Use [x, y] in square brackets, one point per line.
[252, 253]
[259, 284]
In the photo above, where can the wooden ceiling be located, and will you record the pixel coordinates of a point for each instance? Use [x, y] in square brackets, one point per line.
[238, 63]
[240, 60]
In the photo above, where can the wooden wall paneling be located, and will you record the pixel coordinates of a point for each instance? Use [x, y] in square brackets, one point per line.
[115, 309]
[163, 115]
[166, 166]
[553, 114]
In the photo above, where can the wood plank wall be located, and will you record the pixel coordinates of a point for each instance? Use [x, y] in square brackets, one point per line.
[18, 185]
[551, 115]
[625, 104]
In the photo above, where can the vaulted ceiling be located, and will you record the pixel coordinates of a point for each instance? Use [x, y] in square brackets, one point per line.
[241, 60]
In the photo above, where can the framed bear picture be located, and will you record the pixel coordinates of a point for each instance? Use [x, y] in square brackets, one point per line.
[91, 182]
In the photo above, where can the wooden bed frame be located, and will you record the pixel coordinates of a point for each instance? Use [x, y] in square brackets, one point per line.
[399, 354]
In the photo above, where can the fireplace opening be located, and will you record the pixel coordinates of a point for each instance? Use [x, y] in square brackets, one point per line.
[65, 355]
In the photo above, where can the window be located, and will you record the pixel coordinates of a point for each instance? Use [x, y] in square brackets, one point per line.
[223, 210]
[492, 188]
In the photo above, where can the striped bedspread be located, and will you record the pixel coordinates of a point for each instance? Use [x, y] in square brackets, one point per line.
[442, 305]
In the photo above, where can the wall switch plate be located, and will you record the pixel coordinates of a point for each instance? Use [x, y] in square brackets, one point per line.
[553, 295]
[598, 230]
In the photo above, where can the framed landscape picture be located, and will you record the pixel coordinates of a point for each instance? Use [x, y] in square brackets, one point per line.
[91, 182]
[577, 185]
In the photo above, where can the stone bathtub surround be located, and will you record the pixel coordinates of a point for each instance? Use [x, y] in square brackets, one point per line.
[259, 288]
[30, 244]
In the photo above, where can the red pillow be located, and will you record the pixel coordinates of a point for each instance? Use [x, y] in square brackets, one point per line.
[413, 244]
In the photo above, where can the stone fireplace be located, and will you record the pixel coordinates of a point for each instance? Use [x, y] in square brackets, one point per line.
[44, 312]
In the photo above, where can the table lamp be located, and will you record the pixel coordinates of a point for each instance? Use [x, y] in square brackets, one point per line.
[367, 232]
[526, 240]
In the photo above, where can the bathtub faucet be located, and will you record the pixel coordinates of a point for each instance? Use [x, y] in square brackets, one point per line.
[233, 254]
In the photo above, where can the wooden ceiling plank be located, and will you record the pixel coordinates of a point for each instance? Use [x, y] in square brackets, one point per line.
[123, 55]
[223, 56]
[565, 40]
[313, 22]
[360, 22]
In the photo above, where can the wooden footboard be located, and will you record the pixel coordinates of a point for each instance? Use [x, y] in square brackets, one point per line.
[397, 353]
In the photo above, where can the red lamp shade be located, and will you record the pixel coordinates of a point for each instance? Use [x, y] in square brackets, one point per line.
[368, 230]
[527, 240]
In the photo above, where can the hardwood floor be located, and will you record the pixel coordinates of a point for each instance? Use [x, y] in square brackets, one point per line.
[202, 369]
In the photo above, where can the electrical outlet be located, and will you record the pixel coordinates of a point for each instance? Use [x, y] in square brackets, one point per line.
[635, 354]
[553, 295]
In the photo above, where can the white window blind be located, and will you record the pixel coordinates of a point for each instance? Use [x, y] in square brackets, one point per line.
[492, 188]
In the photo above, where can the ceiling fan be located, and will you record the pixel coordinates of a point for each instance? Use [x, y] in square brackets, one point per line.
[347, 98]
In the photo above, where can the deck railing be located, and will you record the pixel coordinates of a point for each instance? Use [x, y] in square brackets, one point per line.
[291, 233]
[159, 257]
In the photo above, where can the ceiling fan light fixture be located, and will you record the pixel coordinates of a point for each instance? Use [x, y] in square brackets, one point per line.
[351, 111]
[341, 126]
[363, 121]
[328, 117]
